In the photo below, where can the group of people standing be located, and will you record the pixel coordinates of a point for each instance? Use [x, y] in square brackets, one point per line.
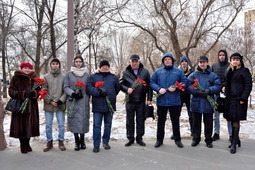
[233, 80]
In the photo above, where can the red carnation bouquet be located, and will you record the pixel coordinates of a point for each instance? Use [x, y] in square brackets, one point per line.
[138, 81]
[99, 85]
[38, 83]
[176, 85]
[44, 94]
[79, 85]
[212, 102]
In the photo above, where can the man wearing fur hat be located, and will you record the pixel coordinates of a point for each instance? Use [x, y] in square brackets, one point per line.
[54, 87]
[100, 107]
[137, 98]
[162, 81]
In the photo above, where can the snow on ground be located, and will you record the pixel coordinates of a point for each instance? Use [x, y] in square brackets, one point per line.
[119, 126]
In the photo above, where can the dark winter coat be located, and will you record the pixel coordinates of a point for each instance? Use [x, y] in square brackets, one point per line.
[128, 79]
[220, 68]
[165, 77]
[24, 125]
[200, 104]
[238, 88]
[112, 87]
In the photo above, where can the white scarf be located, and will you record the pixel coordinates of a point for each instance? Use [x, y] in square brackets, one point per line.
[78, 71]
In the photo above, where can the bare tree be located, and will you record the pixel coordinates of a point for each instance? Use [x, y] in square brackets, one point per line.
[3, 143]
[199, 22]
[6, 17]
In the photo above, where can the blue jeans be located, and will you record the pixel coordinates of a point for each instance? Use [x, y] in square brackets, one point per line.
[97, 123]
[217, 124]
[61, 124]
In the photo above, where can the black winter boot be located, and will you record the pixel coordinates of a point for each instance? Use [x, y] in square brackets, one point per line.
[23, 147]
[77, 144]
[29, 149]
[235, 140]
[83, 146]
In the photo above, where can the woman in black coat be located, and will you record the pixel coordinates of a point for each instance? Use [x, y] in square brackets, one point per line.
[238, 88]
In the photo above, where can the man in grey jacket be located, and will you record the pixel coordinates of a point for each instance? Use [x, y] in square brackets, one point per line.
[54, 102]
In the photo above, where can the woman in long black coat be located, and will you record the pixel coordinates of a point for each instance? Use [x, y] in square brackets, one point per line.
[238, 88]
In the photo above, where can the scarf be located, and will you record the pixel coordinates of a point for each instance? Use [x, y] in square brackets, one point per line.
[78, 71]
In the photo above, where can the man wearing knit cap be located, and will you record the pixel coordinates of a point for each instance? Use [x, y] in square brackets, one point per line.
[100, 107]
[220, 68]
[185, 96]
[162, 81]
[137, 98]
[54, 87]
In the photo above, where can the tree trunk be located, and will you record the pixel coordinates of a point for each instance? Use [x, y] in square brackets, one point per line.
[4, 69]
[3, 144]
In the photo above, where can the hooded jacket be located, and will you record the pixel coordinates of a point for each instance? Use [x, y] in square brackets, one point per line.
[78, 121]
[165, 77]
[54, 87]
[220, 67]
[128, 79]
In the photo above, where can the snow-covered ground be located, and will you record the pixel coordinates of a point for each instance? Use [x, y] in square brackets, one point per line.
[119, 126]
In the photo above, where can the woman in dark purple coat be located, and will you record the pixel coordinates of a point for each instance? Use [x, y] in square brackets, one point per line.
[238, 88]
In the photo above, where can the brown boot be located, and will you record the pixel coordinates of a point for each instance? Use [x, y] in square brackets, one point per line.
[49, 146]
[61, 145]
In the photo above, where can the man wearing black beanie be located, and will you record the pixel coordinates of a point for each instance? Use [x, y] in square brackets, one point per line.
[100, 107]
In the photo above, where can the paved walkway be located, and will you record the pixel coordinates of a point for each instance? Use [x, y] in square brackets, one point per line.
[135, 157]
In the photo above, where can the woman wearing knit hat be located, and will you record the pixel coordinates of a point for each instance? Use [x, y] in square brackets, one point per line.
[238, 86]
[78, 120]
[24, 125]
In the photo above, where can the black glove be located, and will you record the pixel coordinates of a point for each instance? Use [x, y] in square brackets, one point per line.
[80, 94]
[59, 102]
[103, 93]
[33, 94]
[28, 93]
[203, 93]
[77, 96]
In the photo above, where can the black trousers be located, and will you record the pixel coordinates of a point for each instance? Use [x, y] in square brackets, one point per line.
[175, 119]
[185, 98]
[208, 126]
[135, 110]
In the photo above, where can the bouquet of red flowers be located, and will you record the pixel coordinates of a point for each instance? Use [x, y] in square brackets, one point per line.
[99, 85]
[44, 94]
[138, 81]
[176, 85]
[212, 102]
[38, 83]
[79, 86]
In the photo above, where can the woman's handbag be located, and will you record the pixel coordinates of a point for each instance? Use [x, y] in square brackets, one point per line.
[149, 111]
[13, 105]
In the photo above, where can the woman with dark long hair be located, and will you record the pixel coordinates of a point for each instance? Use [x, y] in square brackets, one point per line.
[238, 86]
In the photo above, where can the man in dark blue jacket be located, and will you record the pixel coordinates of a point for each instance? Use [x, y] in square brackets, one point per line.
[137, 98]
[100, 107]
[162, 81]
[200, 105]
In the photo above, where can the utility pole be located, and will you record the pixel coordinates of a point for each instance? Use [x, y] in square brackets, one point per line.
[70, 33]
